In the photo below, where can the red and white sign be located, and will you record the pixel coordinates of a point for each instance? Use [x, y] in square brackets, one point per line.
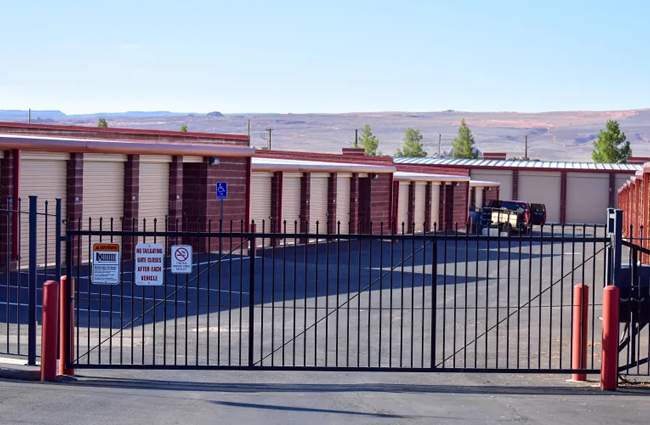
[181, 259]
[149, 264]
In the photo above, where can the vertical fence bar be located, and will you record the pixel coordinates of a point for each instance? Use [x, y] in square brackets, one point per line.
[57, 239]
[251, 297]
[33, 267]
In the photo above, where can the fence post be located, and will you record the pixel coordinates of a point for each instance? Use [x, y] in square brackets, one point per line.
[580, 330]
[48, 337]
[251, 296]
[609, 356]
[33, 247]
[66, 325]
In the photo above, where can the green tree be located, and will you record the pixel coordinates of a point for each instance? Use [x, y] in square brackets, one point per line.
[611, 146]
[413, 146]
[463, 144]
[368, 141]
[184, 128]
[102, 123]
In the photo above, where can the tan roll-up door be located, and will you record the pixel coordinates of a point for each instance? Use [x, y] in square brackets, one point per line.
[42, 174]
[261, 204]
[420, 198]
[103, 195]
[542, 187]
[403, 206]
[478, 197]
[318, 203]
[291, 201]
[587, 198]
[154, 192]
[502, 176]
[435, 205]
[343, 204]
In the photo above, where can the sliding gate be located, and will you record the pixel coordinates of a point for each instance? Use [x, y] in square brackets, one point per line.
[444, 301]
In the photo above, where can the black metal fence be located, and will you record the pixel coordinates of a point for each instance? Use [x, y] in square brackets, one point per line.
[442, 301]
[31, 254]
[634, 313]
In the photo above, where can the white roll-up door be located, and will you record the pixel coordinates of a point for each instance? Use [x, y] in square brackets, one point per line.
[587, 198]
[291, 201]
[261, 201]
[420, 198]
[502, 176]
[403, 206]
[42, 174]
[478, 198]
[542, 187]
[435, 205]
[343, 203]
[318, 202]
[154, 191]
[103, 195]
[619, 181]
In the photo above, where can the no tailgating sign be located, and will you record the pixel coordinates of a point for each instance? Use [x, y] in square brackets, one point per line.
[149, 264]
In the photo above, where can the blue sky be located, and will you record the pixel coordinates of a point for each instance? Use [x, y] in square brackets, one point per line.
[334, 56]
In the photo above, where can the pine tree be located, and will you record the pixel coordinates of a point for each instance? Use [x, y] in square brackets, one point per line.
[463, 144]
[101, 123]
[183, 128]
[368, 141]
[612, 145]
[413, 147]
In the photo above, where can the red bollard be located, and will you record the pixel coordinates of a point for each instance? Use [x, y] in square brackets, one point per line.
[609, 357]
[49, 330]
[580, 330]
[66, 311]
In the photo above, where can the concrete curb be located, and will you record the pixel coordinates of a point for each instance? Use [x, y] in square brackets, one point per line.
[23, 373]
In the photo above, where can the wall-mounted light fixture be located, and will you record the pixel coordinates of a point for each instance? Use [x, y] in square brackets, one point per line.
[374, 176]
[456, 184]
[213, 160]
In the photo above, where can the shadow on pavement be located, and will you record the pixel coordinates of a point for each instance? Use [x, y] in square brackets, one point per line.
[343, 388]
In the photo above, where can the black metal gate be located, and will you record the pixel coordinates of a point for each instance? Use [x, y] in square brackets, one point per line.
[445, 301]
[30, 255]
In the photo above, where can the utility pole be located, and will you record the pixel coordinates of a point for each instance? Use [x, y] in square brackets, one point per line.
[526, 149]
[270, 130]
[29, 116]
[248, 125]
[356, 137]
[439, 143]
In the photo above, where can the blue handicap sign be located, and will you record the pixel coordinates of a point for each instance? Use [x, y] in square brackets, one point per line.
[222, 190]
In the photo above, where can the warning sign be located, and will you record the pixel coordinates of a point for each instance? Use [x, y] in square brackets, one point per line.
[181, 259]
[149, 264]
[106, 264]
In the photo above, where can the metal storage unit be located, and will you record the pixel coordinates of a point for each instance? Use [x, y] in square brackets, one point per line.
[587, 198]
[153, 191]
[291, 201]
[261, 200]
[435, 205]
[103, 195]
[620, 180]
[504, 177]
[343, 202]
[403, 206]
[420, 198]
[42, 174]
[318, 202]
[542, 187]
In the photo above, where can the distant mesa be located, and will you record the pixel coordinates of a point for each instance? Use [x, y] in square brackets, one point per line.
[215, 114]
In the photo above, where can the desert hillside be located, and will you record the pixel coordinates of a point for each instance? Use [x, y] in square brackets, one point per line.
[551, 135]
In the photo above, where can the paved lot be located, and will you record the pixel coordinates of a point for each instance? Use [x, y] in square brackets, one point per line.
[174, 397]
